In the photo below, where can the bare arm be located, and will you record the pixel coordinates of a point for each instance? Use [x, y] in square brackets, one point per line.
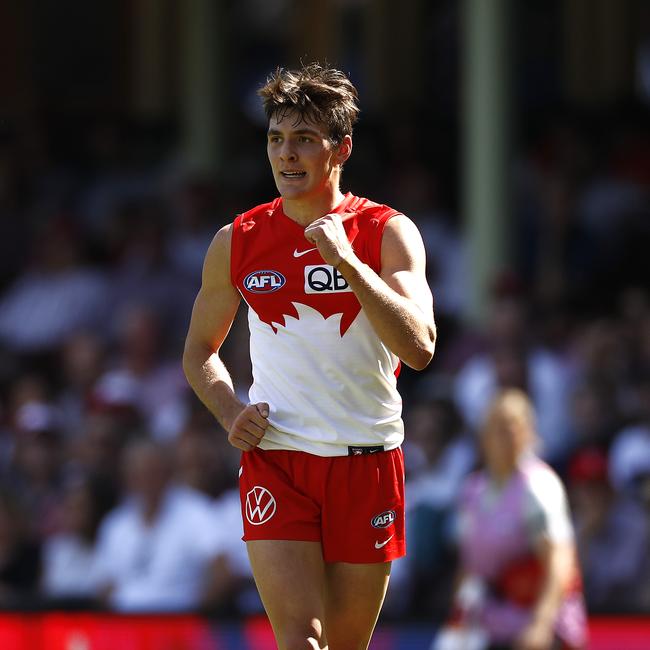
[398, 302]
[212, 316]
[557, 559]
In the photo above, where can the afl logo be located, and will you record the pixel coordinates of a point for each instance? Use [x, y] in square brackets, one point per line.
[260, 505]
[383, 519]
[264, 281]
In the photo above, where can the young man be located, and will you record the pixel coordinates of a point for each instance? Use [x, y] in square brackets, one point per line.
[337, 295]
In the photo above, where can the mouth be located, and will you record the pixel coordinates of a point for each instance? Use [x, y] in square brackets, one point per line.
[293, 174]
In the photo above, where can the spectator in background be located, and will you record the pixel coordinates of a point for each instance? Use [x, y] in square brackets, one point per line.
[98, 449]
[194, 225]
[82, 360]
[36, 464]
[154, 384]
[142, 275]
[20, 554]
[516, 541]
[612, 534]
[629, 469]
[206, 462]
[512, 360]
[198, 464]
[438, 456]
[115, 177]
[418, 190]
[69, 571]
[158, 550]
[594, 416]
[634, 339]
[601, 359]
[55, 296]
[21, 389]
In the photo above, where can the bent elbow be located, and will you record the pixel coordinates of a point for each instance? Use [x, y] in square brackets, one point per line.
[421, 360]
[187, 365]
[193, 358]
[422, 356]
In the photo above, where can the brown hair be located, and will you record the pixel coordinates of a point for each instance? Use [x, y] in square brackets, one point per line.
[314, 93]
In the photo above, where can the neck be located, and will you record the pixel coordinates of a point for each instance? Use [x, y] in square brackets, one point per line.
[501, 475]
[501, 471]
[151, 507]
[304, 211]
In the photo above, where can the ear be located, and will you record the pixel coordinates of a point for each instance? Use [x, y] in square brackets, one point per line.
[343, 150]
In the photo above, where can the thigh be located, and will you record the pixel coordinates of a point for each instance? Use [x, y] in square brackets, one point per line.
[363, 510]
[275, 496]
[354, 596]
[290, 577]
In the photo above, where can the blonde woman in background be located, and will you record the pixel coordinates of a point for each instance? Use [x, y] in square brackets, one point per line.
[520, 585]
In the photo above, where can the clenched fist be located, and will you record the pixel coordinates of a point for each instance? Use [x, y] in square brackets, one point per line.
[249, 426]
[330, 237]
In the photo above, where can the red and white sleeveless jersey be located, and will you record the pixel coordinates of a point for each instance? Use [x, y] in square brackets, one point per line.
[329, 380]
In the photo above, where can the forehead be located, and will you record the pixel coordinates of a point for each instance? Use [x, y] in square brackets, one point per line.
[294, 122]
[507, 413]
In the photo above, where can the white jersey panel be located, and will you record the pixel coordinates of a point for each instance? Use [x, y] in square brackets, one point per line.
[547, 511]
[325, 391]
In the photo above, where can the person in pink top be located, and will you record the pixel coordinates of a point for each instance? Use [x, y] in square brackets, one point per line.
[520, 586]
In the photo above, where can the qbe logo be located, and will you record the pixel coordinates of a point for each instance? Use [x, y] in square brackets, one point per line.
[260, 505]
[325, 279]
[264, 281]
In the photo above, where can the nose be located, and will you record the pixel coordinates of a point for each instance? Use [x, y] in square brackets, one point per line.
[287, 152]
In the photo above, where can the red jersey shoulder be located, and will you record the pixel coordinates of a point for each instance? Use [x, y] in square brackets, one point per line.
[275, 268]
[371, 219]
[371, 210]
[249, 219]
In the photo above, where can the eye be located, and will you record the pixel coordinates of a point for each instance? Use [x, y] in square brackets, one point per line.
[274, 139]
[304, 138]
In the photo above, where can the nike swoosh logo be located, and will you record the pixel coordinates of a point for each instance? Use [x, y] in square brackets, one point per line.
[297, 253]
[382, 544]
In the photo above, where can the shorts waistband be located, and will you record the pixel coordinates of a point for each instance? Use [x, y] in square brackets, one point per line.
[360, 450]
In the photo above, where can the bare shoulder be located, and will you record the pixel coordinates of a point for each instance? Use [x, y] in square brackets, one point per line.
[217, 260]
[217, 300]
[220, 244]
[403, 261]
[402, 242]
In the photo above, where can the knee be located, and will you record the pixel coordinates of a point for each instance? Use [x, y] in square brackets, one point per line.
[303, 643]
[305, 638]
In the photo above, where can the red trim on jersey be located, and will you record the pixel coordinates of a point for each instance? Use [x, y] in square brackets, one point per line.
[265, 239]
[375, 251]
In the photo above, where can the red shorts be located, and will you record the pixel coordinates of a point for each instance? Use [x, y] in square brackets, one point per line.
[352, 505]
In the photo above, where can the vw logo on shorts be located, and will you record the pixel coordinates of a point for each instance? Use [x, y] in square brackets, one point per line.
[260, 505]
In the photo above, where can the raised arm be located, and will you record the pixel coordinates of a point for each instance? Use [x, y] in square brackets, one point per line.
[212, 316]
[398, 302]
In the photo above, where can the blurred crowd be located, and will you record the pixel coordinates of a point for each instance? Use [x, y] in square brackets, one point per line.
[119, 490]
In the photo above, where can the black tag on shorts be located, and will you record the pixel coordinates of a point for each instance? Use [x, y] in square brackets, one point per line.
[359, 451]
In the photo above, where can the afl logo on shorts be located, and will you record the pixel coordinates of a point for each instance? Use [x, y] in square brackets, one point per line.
[264, 281]
[383, 519]
[260, 505]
